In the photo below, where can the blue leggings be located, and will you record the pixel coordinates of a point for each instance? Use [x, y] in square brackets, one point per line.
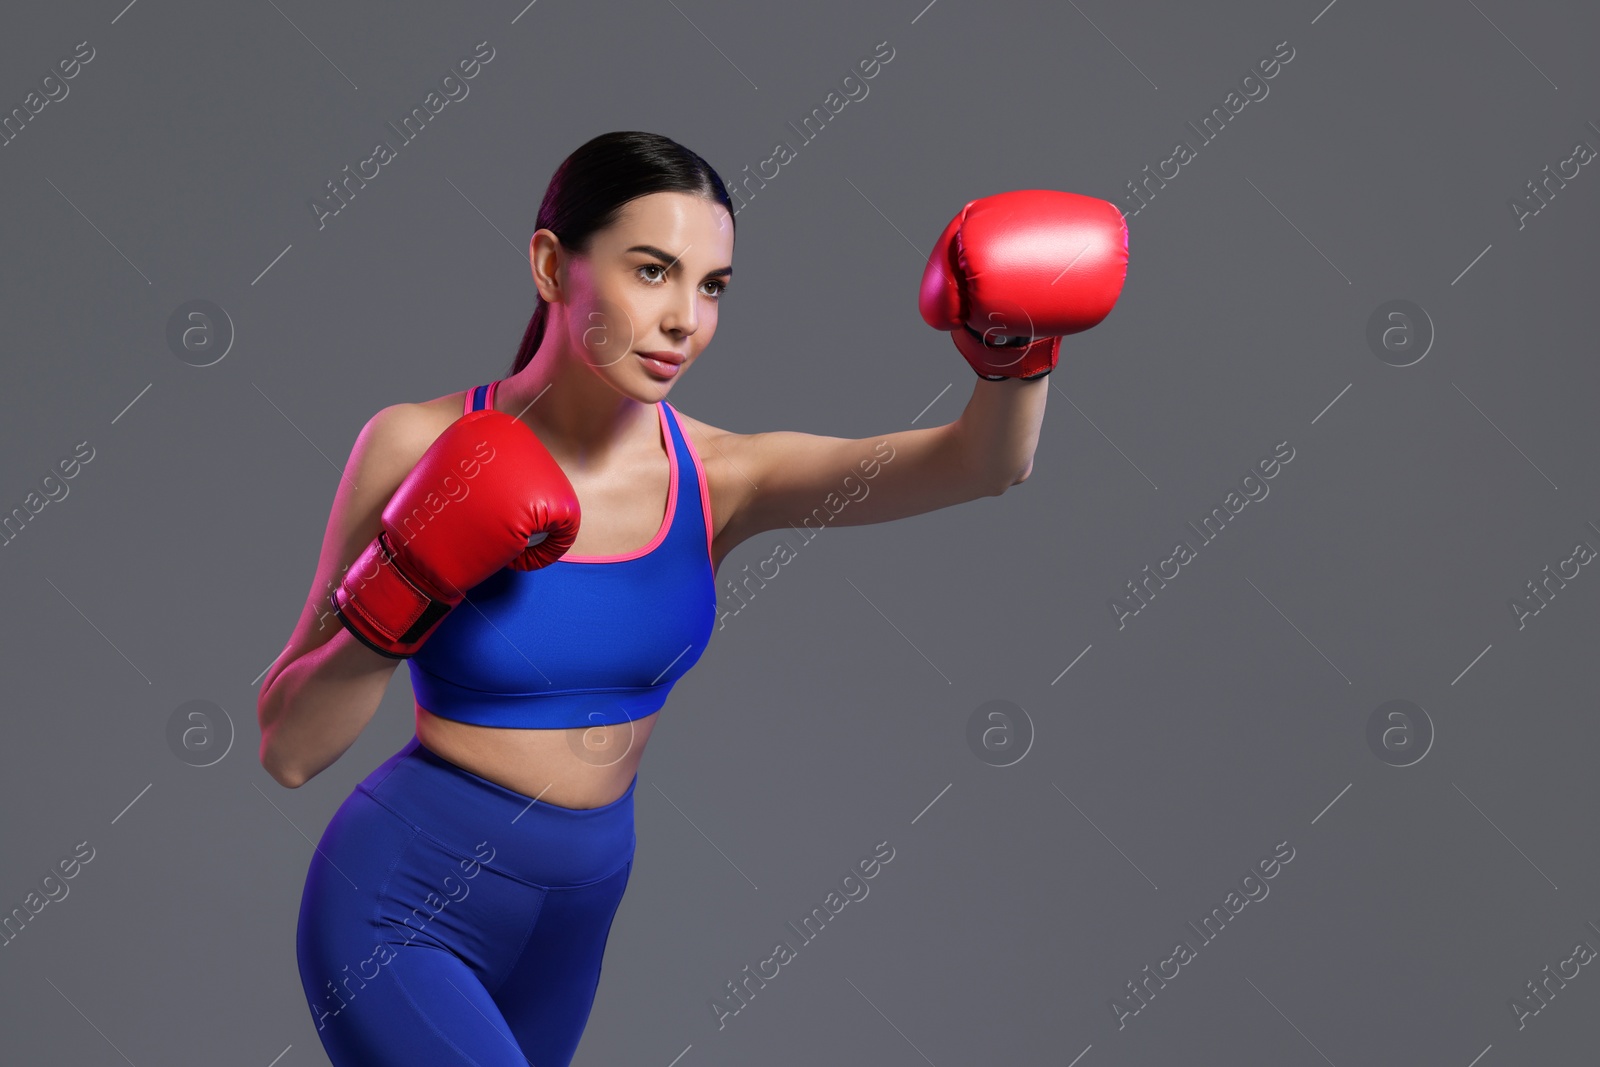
[449, 920]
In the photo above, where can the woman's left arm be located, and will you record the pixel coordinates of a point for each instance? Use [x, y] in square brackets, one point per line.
[783, 477]
[1010, 276]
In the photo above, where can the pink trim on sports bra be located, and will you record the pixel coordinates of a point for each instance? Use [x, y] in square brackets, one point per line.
[666, 519]
[705, 486]
[672, 488]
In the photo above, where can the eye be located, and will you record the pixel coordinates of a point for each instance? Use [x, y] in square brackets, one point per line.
[721, 286]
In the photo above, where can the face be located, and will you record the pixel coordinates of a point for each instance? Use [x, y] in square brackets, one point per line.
[649, 283]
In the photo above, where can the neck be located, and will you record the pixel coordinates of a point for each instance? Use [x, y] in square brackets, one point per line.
[577, 414]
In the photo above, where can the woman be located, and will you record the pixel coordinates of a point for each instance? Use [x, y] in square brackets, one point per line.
[458, 906]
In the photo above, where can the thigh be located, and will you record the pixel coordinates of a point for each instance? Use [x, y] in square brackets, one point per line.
[548, 992]
[427, 1008]
[400, 940]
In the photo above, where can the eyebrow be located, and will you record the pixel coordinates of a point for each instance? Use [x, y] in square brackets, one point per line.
[720, 272]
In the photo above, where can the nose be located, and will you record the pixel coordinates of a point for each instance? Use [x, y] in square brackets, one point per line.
[682, 315]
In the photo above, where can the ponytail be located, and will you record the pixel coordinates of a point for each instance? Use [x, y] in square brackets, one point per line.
[533, 335]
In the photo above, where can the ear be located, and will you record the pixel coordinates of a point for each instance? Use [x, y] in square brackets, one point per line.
[546, 258]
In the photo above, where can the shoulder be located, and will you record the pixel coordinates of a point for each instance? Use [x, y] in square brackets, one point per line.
[725, 457]
[703, 433]
[719, 450]
[396, 436]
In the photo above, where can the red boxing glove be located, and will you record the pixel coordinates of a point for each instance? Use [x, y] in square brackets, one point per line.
[475, 502]
[1013, 273]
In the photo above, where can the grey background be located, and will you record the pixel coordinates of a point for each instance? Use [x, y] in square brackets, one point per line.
[832, 712]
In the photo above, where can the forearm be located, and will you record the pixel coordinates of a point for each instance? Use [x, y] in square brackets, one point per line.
[317, 706]
[1000, 428]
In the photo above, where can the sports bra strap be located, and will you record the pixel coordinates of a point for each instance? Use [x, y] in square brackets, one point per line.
[480, 398]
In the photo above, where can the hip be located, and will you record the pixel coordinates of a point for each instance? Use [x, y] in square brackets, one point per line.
[482, 822]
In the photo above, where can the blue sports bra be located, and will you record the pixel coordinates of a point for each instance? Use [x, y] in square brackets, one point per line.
[587, 640]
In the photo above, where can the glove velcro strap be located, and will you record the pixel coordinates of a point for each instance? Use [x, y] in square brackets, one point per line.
[1026, 358]
[1006, 378]
[382, 606]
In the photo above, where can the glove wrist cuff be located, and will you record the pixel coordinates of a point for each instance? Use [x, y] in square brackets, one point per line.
[1026, 359]
[382, 606]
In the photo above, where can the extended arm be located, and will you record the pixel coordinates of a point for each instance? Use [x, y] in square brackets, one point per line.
[1009, 277]
[782, 477]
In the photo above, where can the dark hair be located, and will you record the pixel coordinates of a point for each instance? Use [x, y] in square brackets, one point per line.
[588, 190]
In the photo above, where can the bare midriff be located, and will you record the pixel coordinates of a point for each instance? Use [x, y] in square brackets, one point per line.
[577, 767]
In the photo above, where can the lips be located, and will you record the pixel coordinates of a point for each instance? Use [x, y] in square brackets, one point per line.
[674, 358]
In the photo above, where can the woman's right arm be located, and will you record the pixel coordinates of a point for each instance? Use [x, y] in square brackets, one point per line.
[326, 685]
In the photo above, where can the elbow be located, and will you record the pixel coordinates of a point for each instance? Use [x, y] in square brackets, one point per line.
[999, 485]
[284, 776]
[273, 763]
[271, 754]
[291, 781]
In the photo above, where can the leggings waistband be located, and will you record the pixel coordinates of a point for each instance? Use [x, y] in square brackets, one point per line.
[531, 840]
